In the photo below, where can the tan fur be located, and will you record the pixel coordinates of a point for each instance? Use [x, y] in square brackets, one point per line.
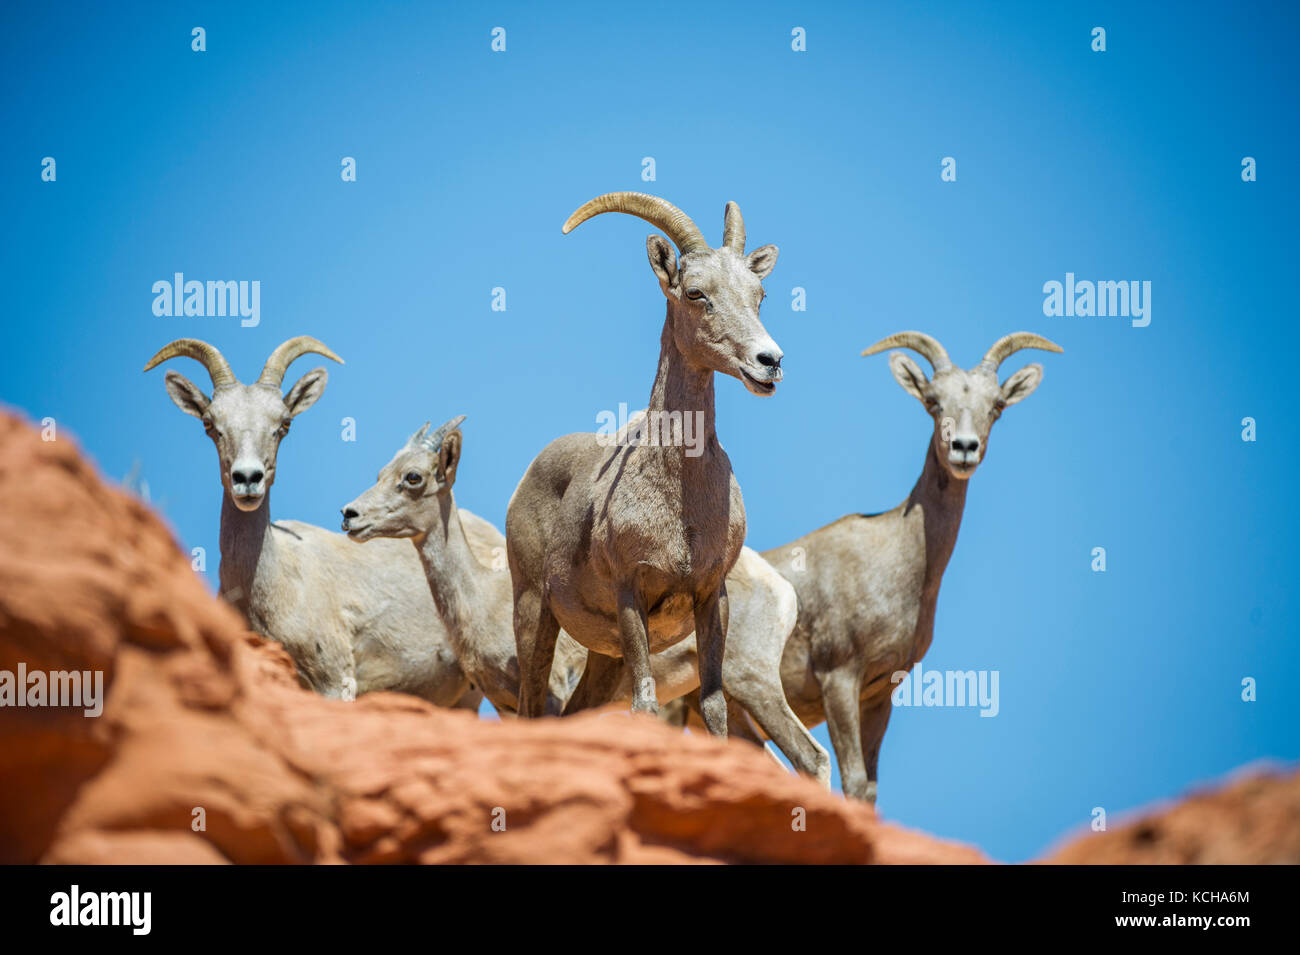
[413, 498]
[353, 622]
[868, 584]
[627, 548]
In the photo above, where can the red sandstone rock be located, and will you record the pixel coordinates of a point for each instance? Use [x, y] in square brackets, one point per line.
[1251, 820]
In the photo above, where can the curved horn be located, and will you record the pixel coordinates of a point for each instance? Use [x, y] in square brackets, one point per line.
[433, 441]
[733, 229]
[1007, 345]
[280, 360]
[208, 355]
[660, 213]
[919, 342]
[416, 438]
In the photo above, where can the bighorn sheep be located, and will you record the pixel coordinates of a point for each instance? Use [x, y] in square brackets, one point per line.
[628, 548]
[413, 498]
[868, 584]
[353, 619]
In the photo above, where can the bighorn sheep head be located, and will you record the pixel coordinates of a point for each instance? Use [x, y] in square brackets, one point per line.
[246, 422]
[410, 489]
[713, 294]
[963, 404]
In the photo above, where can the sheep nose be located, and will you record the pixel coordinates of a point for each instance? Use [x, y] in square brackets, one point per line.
[247, 476]
[350, 513]
[769, 360]
[967, 445]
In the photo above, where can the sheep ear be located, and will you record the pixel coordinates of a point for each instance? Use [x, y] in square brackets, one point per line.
[763, 260]
[449, 457]
[663, 260]
[1022, 384]
[305, 391]
[186, 395]
[908, 374]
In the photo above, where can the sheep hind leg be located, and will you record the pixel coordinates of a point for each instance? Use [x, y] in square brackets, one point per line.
[739, 723]
[598, 685]
[766, 703]
[684, 712]
[675, 712]
[470, 699]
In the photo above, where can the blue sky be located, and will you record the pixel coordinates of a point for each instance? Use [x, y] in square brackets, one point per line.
[1117, 688]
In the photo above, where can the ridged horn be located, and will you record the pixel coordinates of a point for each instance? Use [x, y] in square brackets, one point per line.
[919, 342]
[733, 229]
[416, 438]
[434, 441]
[1008, 345]
[280, 360]
[660, 213]
[207, 355]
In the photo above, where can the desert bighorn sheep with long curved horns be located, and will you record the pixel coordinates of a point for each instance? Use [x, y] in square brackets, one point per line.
[628, 548]
[353, 619]
[868, 584]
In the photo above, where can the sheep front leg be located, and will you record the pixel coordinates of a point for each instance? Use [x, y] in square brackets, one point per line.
[875, 720]
[711, 640]
[840, 699]
[536, 630]
[634, 641]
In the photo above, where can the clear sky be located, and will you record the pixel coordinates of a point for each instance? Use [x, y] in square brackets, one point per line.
[1116, 688]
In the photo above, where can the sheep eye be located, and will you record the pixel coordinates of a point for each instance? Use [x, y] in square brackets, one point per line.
[694, 293]
[413, 478]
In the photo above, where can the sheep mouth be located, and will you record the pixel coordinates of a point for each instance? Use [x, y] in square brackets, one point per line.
[757, 385]
[354, 531]
[248, 502]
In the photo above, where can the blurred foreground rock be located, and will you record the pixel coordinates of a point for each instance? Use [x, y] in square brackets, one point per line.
[1251, 820]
